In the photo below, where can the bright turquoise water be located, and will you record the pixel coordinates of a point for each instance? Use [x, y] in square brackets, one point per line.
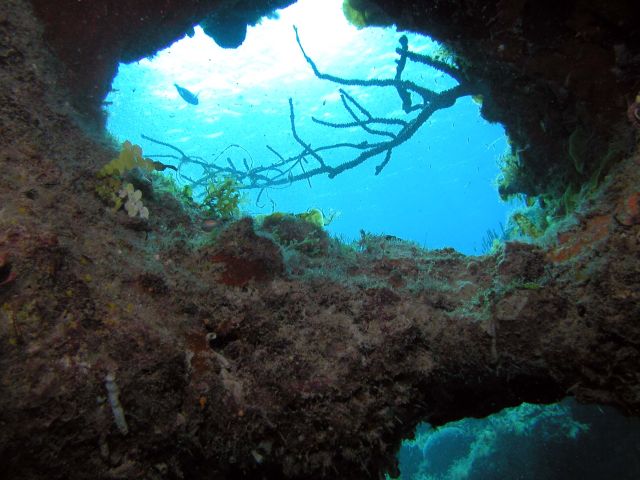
[438, 188]
[561, 441]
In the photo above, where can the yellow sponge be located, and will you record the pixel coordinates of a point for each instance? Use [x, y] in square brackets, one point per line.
[130, 157]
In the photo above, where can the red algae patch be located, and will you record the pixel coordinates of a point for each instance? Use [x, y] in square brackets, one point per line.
[573, 243]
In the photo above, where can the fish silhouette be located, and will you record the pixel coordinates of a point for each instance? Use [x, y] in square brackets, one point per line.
[186, 95]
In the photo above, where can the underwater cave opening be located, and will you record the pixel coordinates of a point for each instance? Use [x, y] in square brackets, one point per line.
[438, 188]
[557, 441]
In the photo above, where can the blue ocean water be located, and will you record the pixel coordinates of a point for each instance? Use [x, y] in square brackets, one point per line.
[529, 442]
[438, 189]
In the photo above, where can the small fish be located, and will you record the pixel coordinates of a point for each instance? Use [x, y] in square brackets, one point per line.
[186, 95]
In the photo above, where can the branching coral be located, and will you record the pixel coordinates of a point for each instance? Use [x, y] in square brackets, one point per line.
[381, 135]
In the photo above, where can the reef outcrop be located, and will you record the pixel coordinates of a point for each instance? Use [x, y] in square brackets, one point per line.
[130, 352]
[558, 75]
